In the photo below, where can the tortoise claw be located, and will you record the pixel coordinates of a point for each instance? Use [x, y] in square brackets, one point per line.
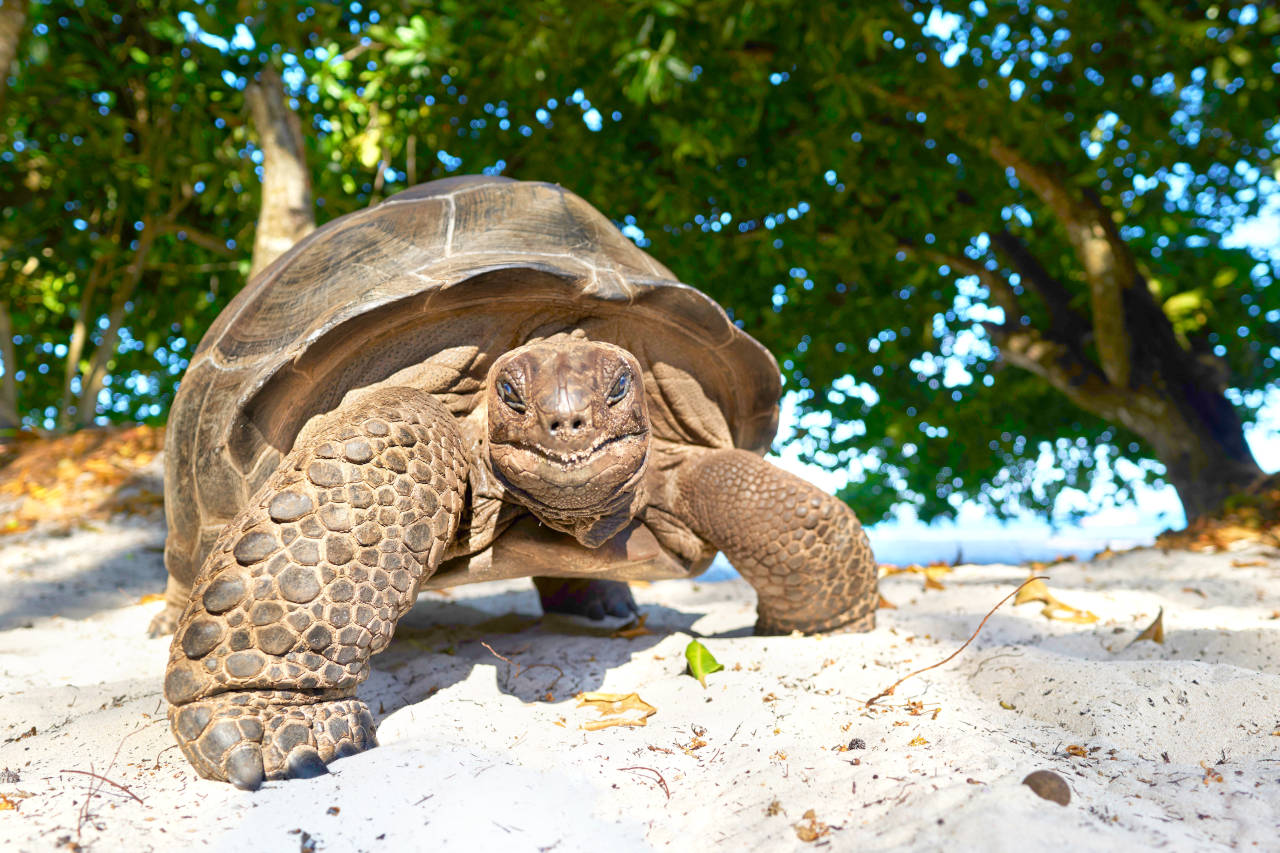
[305, 763]
[244, 767]
[246, 738]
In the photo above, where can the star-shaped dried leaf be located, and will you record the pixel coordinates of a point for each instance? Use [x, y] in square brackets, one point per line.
[616, 709]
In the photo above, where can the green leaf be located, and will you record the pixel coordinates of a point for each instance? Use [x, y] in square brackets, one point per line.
[701, 661]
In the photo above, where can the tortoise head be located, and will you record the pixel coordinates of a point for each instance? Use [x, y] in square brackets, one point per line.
[568, 432]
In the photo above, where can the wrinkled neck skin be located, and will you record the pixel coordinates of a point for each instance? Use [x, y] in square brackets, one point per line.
[567, 434]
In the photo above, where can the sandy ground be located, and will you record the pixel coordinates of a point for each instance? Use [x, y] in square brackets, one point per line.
[1173, 745]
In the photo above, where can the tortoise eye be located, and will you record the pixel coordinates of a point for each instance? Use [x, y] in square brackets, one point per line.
[619, 388]
[507, 393]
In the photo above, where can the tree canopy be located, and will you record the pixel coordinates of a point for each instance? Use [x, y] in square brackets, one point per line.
[972, 233]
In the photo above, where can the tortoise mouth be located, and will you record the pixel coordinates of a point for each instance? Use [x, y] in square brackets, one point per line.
[578, 481]
[571, 458]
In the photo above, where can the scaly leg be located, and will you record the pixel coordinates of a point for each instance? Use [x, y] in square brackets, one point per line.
[307, 583]
[802, 549]
[590, 597]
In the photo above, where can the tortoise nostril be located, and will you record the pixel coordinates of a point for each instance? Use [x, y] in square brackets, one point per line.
[555, 427]
[577, 423]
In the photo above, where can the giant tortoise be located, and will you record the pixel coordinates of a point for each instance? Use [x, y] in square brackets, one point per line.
[478, 378]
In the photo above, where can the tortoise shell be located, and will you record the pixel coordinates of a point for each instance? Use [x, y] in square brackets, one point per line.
[427, 289]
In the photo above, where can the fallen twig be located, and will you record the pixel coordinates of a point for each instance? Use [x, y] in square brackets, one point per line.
[520, 669]
[888, 691]
[661, 781]
[102, 778]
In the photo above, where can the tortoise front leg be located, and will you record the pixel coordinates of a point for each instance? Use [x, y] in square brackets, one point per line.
[802, 549]
[307, 583]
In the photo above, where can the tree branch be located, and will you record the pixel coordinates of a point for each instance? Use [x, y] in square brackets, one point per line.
[1107, 263]
[1058, 364]
[1066, 324]
[201, 238]
[1002, 293]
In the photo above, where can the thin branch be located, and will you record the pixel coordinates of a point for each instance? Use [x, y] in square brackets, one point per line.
[888, 691]
[352, 52]
[1066, 324]
[997, 285]
[102, 778]
[201, 238]
[661, 780]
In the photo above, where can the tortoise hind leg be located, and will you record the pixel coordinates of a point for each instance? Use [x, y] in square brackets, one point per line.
[307, 583]
[802, 549]
[176, 595]
[589, 597]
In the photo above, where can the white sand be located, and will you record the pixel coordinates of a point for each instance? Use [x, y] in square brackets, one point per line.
[474, 757]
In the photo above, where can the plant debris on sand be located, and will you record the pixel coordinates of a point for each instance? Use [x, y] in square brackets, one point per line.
[92, 473]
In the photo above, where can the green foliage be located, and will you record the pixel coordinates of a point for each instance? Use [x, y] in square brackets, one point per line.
[701, 662]
[811, 166]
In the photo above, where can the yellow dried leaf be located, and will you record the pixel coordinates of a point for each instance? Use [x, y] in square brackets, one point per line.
[1065, 613]
[1034, 591]
[1054, 609]
[886, 604]
[151, 597]
[634, 628]
[1153, 632]
[7, 805]
[811, 829]
[918, 741]
[616, 709]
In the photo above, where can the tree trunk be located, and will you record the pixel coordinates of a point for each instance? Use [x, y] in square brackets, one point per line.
[9, 418]
[13, 22]
[1204, 452]
[94, 379]
[287, 214]
[1143, 378]
[75, 347]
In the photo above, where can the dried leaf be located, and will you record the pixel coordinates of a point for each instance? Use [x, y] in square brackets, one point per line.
[1153, 632]
[628, 709]
[1033, 591]
[811, 829]
[635, 628]
[886, 604]
[933, 570]
[151, 597]
[701, 662]
[1053, 607]
[7, 805]
[1065, 613]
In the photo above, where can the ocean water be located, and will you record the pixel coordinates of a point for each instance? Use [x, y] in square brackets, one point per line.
[988, 542]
